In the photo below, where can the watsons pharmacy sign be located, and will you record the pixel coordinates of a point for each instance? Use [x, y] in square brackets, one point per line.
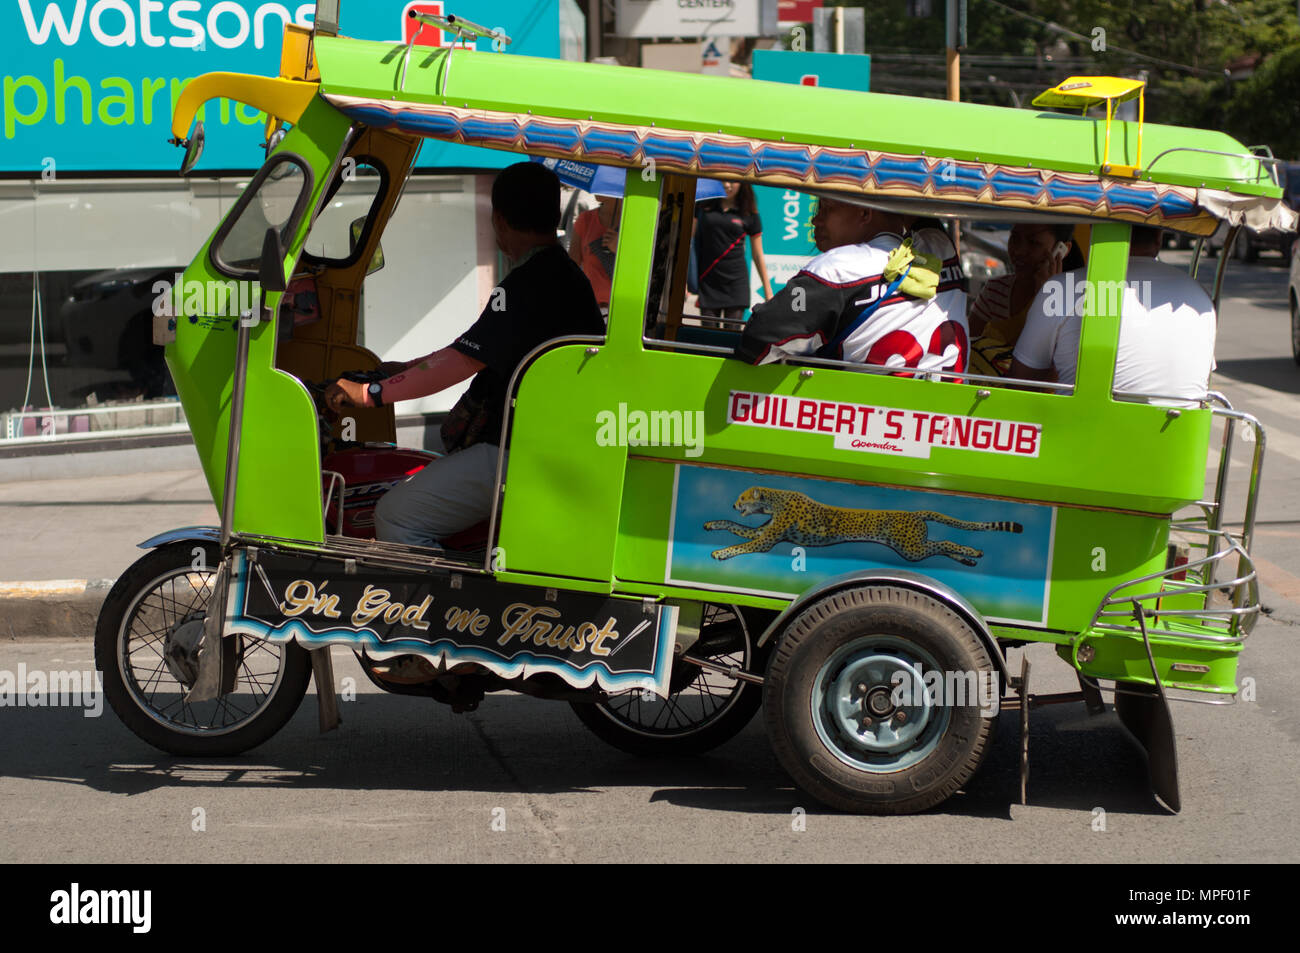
[89, 85]
[119, 23]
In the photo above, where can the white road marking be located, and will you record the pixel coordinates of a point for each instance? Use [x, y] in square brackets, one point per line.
[1284, 583]
[1277, 440]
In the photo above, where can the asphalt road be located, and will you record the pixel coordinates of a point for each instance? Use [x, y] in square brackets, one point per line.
[405, 779]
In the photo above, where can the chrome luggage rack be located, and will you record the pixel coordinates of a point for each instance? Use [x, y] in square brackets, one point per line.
[1231, 604]
[1267, 167]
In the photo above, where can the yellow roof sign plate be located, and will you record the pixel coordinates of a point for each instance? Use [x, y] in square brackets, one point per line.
[1080, 92]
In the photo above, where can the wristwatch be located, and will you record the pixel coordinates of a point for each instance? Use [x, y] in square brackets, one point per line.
[376, 392]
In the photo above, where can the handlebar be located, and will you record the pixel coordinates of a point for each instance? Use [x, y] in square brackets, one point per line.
[326, 418]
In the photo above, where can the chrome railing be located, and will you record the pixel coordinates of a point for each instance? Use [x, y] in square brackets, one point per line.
[1267, 169]
[1231, 606]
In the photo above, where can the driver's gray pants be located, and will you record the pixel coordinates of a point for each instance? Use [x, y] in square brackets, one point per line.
[449, 495]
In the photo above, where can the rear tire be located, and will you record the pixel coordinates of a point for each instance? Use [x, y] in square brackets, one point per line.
[846, 709]
[704, 708]
[147, 619]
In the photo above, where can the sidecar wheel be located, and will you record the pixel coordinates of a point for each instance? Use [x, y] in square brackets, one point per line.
[703, 710]
[143, 644]
[851, 707]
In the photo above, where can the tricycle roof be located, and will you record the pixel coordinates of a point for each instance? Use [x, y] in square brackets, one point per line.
[952, 156]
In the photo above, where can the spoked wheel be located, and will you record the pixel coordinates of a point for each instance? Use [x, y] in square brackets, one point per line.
[145, 645]
[704, 708]
[873, 701]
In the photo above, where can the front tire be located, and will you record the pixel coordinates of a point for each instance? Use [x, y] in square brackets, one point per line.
[847, 707]
[144, 649]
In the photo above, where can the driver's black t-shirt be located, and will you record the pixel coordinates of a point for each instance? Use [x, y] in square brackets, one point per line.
[546, 297]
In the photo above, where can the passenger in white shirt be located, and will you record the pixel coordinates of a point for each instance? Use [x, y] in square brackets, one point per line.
[1166, 335]
[820, 310]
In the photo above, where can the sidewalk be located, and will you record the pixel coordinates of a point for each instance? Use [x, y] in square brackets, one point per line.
[65, 541]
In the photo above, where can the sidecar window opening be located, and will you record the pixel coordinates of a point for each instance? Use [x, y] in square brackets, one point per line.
[275, 198]
[358, 191]
[672, 244]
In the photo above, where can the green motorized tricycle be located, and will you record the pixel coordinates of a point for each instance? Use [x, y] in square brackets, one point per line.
[679, 538]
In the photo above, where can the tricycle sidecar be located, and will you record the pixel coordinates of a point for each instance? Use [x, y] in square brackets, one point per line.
[679, 538]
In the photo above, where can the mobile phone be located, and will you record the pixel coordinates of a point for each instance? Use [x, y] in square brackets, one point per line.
[1059, 250]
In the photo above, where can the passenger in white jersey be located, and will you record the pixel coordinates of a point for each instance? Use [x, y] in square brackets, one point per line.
[821, 310]
[1166, 332]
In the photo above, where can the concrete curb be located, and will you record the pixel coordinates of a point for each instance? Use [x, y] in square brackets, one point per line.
[51, 608]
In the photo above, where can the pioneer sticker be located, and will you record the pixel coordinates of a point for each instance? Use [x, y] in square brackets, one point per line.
[887, 430]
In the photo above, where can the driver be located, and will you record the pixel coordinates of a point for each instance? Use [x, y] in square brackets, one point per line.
[544, 296]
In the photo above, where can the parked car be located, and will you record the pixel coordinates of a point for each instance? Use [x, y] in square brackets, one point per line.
[107, 321]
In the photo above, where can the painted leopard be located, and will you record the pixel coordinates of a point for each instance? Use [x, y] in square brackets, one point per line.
[803, 521]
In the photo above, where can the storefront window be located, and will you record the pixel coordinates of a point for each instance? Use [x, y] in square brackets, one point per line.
[89, 347]
[81, 265]
[100, 254]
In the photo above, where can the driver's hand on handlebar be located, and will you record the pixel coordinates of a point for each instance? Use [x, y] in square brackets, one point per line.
[344, 393]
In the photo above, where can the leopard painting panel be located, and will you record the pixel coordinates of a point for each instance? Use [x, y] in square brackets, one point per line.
[792, 532]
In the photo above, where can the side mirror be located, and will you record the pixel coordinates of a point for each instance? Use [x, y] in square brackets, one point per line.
[273, 140]
[270, 273]
[193, 149]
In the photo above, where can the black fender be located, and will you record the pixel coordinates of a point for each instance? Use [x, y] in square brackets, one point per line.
[203, 534]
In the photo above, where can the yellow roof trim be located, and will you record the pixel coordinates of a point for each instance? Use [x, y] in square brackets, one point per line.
[284, 99]
[296, 60]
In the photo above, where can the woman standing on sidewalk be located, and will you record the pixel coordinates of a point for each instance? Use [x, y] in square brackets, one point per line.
[595, 241]
[720, 229]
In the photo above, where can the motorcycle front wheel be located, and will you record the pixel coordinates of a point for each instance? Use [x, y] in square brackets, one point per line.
[145, 644]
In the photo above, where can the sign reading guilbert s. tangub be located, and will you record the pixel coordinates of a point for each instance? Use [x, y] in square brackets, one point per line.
[89, 85]
[511, 630]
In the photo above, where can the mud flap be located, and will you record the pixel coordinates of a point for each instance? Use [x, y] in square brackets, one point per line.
[327, 700]
[1144, 711]
[1022, 689]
